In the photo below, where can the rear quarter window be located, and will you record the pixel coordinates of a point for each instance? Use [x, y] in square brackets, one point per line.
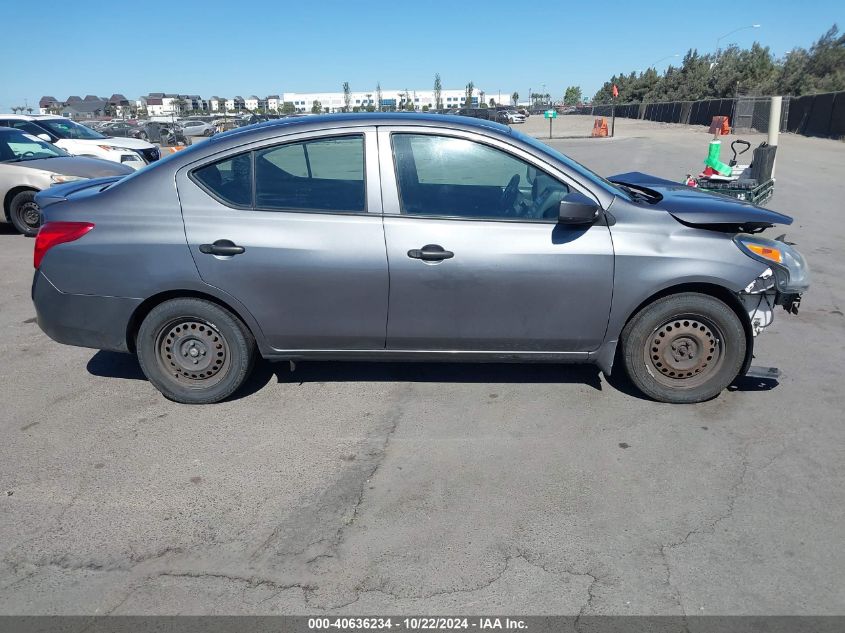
[229, 180]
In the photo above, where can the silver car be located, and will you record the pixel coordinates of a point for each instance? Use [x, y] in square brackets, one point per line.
[196, 128]
[407, 237]
[28, 165]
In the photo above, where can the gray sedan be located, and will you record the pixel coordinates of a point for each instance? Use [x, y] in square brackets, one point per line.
[407, 237]
[29, 164]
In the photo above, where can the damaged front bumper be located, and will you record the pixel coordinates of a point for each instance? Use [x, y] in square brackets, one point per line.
[781, 284]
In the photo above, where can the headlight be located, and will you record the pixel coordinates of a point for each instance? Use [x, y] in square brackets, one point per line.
[114, 148]
[57, 178]
[789, 266]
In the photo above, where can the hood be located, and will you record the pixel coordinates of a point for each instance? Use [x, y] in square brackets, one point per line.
[78, 166]
[702, 208]
[116, 141]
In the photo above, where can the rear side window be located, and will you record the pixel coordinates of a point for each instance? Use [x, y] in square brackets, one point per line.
[326, 174]
[230, 179]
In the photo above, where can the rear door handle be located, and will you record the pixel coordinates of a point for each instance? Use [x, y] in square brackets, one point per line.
[222, 247]
[430, 253]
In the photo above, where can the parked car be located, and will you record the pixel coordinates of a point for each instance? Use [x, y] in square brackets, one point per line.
[455, 239]
[197, 128]
[83, 141]
[29, 165]
[509, 117]
[163, 133]
[117, 128]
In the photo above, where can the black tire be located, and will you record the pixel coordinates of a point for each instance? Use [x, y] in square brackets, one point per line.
[208, 133]
[24, 214]
[143, 136]
[194, 351]
[684, 348]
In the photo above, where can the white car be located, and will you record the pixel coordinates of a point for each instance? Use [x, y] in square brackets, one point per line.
[196, 128]
[515, 117]
[80, 140]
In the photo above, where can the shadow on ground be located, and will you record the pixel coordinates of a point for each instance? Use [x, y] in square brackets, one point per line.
[125, 366]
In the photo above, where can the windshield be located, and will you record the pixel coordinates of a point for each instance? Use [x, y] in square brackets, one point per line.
[65, 128]
[16, 147]
[574, 165]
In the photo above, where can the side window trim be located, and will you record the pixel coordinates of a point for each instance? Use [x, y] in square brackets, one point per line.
[372, 179]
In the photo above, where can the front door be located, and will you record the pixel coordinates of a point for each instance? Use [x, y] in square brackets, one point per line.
[477, 259]
[288, 228]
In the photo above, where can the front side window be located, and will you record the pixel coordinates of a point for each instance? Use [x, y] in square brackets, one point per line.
[229, 179]
[318, 175]
[454, 177]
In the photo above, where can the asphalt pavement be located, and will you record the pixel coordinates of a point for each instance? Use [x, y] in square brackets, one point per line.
[358, 488]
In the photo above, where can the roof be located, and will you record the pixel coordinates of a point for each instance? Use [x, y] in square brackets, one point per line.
[85, 106]
[273, 97]
[369, 118]
[45, 101]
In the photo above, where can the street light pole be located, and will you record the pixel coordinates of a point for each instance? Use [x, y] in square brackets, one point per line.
[742, 28]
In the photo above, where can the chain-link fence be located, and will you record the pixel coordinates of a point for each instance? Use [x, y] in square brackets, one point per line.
[810, 115]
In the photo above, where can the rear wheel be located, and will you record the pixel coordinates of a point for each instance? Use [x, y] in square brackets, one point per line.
[194, 351]
[684, 348]
[24, 214]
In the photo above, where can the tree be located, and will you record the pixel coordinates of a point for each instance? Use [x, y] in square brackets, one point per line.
[572, 96]
[347, 96]
[469, 90]
[515, 98]
[378, 96]
[288, 108]
[316, 107]
[29, 110]
[438, 92]
[492, 103]
[408, 102]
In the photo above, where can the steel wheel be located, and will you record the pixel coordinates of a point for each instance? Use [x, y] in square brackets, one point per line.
[683, 352]
[684, 348]
[25, 214]
[194, 352]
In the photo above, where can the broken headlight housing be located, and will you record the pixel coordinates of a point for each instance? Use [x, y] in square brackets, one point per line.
[791, 273]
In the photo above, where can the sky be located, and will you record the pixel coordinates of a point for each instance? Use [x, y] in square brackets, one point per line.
[227, 48]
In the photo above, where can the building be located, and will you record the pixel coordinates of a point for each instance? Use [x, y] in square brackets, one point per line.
[235, 104]
[49, 105]
[390, 100]
[255, 104]
[217, 104]
[274, 103]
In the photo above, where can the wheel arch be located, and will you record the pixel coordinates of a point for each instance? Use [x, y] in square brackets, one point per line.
[146, 306]
[605, 357]
[7, 200]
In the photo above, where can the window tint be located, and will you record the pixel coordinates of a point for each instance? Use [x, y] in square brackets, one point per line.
[319, 175]
[230, 179]
[445, 176]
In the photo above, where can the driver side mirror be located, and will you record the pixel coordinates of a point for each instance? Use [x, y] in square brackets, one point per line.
[576, 208]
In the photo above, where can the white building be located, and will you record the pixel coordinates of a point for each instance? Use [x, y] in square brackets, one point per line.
[217, 104]
[273, 103]
[253, 103]
[235, 104]
[390, 99]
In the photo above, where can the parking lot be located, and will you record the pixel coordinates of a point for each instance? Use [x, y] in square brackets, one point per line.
[440, 488]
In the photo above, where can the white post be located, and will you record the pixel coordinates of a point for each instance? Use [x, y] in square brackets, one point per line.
[774, 124]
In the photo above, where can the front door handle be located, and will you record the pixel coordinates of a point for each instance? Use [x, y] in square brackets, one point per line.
[222, 247]
[430, 253]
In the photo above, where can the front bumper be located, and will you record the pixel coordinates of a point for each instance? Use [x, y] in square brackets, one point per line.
[82, 320]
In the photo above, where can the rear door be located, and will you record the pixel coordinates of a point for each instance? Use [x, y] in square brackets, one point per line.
[478, 262]
[292, 228]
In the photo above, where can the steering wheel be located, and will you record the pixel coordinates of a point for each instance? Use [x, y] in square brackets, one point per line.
[509, 194]
[27, 154]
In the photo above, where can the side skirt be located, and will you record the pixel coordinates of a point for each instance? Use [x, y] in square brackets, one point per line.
[447, 356]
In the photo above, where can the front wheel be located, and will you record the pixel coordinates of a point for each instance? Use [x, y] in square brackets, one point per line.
[194, 351]
[24, 213]
[684, 348]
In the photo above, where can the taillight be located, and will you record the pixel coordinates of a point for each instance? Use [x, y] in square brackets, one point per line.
[53, 233]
